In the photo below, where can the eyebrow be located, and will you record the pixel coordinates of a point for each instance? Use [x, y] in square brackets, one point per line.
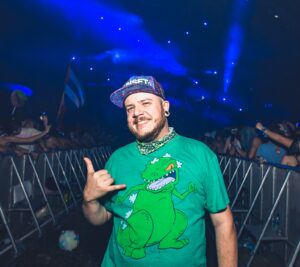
[140, 101]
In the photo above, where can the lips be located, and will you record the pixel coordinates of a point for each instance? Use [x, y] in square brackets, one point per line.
[141, 121]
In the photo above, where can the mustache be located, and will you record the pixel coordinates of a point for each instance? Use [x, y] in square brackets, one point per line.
[139, 119]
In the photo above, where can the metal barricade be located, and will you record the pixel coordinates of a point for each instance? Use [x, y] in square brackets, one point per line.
[38, 192]
[265, 203]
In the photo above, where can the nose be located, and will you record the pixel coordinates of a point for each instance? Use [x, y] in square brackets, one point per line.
[138, 111]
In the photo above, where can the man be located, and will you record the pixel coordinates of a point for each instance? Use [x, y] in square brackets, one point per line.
[157, 190]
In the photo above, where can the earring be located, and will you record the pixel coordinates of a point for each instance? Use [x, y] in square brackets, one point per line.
[167, 113]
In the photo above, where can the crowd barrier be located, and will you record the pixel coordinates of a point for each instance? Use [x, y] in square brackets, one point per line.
[266, 208]
[38, 192]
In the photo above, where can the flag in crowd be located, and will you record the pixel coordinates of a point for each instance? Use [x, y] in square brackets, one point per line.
[73, 96]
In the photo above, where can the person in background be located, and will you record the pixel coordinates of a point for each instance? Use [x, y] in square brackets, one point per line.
[158, 189]
[233, 145]
[28, 130]
[292, 145]
[7, 139]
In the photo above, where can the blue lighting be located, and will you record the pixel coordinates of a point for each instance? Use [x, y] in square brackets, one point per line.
[196, 82]
[73, 58]
[91, 68]
[205, 23]
[268, 106]
[224, 99]
[187, 33]
[240, 109]
[87, 14]
[169, 41]
[211, 72]
[102, 18]
[198, 93]
[108, 79]
[13, 87]
[235, 41]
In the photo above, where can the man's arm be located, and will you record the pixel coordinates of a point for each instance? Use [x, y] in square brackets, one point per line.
[98, 184]
[226, 241]
[95, 212]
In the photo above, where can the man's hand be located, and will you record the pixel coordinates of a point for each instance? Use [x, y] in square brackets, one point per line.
[98, 183]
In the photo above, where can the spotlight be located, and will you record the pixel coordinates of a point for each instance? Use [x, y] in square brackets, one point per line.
[169, 41]
[187, 33]
[205, 23]
[119, 29]
[91, 68]
[73, 58]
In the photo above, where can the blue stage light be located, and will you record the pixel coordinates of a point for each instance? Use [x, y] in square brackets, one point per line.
[13, 87]
[235, 41]
[91, 68]
[73, 58]
[87, 14]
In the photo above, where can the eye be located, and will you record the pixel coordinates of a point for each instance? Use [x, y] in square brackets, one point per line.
[129, 109]
[147, 103]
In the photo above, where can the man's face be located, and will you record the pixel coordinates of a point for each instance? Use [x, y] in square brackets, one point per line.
[146, 116]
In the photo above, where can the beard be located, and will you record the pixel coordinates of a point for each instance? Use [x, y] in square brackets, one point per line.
[152, 134]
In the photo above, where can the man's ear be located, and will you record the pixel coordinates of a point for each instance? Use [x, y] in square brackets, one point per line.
[166, 105]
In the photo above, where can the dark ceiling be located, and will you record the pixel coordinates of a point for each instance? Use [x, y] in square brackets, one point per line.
[191, 47]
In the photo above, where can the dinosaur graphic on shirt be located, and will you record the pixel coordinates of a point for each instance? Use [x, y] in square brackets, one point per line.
[153, 219]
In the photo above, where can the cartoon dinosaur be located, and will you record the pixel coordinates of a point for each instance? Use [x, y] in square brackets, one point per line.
[153, 219]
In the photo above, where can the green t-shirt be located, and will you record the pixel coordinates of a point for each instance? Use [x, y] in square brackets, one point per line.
[159, 217]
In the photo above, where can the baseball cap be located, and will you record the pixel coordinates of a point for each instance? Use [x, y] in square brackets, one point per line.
[137, 84]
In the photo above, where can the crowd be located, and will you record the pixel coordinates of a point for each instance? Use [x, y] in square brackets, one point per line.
[30, 136]
[279, 143]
